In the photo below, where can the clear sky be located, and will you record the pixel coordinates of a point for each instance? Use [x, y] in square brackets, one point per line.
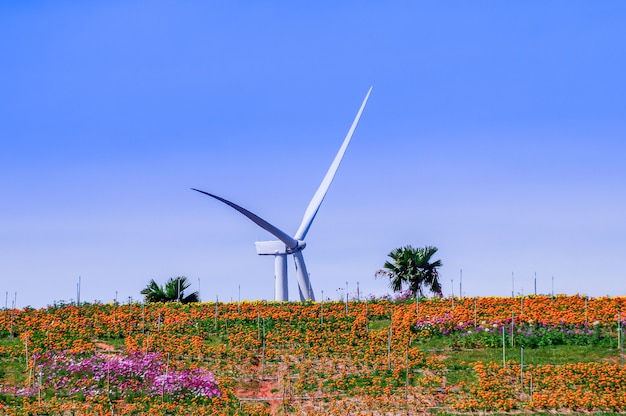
[496, 131]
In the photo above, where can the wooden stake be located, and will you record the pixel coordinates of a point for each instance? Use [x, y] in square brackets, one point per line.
[389, 348]
[503, 347]
[474, 313]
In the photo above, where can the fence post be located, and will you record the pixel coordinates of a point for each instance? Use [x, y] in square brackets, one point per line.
[474, 313]
[34, 370]
[322, 309]
[512, 328]
[216, 312]
[503, 347]
[622, 336]
[521, 367]
[284, 393]
[263, 353]
[620, 339]
[12, 318]
[389, 346]
[406, 391]
[367, 317]
[39, 390]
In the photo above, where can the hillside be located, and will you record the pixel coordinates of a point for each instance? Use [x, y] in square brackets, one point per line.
[523, 354]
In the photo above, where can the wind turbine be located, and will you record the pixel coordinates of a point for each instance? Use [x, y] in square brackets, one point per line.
[286, 244]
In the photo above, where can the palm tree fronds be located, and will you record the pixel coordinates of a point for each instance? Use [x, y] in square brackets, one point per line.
[412, 266]
[172, 291]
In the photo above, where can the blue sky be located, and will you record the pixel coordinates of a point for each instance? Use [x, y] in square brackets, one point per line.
[495, 132]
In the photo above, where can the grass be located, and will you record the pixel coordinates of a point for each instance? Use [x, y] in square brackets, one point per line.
[556, 355]
[459, 362]
[379, 324]
[12, 371]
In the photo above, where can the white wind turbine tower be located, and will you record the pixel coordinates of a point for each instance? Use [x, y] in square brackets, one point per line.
[286, 245]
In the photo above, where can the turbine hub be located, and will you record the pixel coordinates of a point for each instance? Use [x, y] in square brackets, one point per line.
[301, 245]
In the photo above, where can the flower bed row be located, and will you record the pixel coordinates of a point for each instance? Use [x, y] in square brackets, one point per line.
[312, 358]
[571, 387]
[115, 376]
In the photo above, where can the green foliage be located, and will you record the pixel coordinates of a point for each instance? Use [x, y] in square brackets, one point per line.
[173, 291]
[379, 324]
[459, 356]
[413, 267]
[532, 336]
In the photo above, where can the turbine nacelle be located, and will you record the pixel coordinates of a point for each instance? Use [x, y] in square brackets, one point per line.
[274, 247]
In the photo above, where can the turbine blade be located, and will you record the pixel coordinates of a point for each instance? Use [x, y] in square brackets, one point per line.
[304, 283]
[280, 234]
[314, 205]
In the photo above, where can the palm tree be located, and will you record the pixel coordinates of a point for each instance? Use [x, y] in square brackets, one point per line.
[412, 266]
[173, 291]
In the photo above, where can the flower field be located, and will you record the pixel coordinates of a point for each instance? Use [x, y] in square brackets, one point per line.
[523, 354]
